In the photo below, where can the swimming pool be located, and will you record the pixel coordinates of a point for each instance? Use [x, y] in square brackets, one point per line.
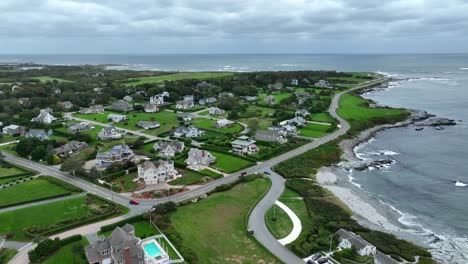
[152, 250]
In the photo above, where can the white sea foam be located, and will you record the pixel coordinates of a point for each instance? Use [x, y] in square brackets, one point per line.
[387, 74]
[460, 184]
[464, 69]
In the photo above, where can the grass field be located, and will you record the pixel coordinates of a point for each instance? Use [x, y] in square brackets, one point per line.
[29, 191]
[17, 220]
[278, 96]
[6, 255]
[7, 170]
[206, 123]
[190, 177]
[215, 228]
[177, 76]
[355, 110]
[49, 79]
[322, 117]
[66, 254]
[211, 173]
[283, 226]
[314, 130]
[229, 163]
[101, 118]
[125, 183]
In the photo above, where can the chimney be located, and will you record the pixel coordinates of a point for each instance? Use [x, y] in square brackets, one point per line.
[127, 255]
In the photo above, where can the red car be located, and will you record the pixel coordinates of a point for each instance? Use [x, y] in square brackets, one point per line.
[134, 202]
[243, 173]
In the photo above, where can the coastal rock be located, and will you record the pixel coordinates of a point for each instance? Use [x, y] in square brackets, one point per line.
[366, 164]
[436, 122]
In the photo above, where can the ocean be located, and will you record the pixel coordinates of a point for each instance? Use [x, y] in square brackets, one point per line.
[427, 184]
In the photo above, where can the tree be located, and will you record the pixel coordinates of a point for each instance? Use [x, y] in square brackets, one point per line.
[73, 164]
[94, 173]
[253, 124]
[38, 153]
[53, 159]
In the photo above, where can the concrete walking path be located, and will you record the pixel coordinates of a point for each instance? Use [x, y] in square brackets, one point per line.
[297, 225]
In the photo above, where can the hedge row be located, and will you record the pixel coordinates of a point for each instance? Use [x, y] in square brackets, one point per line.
[48, 247]
[67, 186]
[18, 175]
[35, 200]
[229, 153]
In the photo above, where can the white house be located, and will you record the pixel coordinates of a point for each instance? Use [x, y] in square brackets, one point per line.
[348, 239]
[222, 123]
[116, 117]
[109, 133]
[244, 145]
[199, 157]
[44, 117]
[169, 148]
[269, 99]
[158, 99]
[294, 82]
[270, 136]
[188, 132]
[94, 109]
[286, 130]
[216, 111]
[151, 108]
[14, 130]
[157, 172]
[302, 112]
[322, 84]
[296, 121]
[186, 117]
[186, 103]
[119, 153]
[148, 124]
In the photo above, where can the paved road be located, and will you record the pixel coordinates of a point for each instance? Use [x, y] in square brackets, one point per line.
[257, 217]
[256, 221]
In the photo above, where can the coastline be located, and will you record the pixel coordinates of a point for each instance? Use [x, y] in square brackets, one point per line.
[368, 210]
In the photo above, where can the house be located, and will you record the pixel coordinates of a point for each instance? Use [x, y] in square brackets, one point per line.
[208, 100]
[116, 117]
[119, 153]
[24, 101]
[128, 98]
[186, 117]
[216, 111]
[148, 124]
[44, 117]
[226, 94]
[322, 84]
[188, 132]
[151, 108]
[302, 112]
[122, 246]
[109, 133]
[199, 157]
[97, 90]
[249, 98]
[66, 105]
[14, 130]
[169, 148]
[222, 123]
[294, 82]
[57, 91]
[275, 87]
[94, 109]
[158, 99]
[203, 84]
[70, 148]
[40, 134]
[244, 145]
[270, 136]
[78, 127]
[269, 99]
[285, 130]
[154, 172]
[186, 103]
[121, 106]
[305, 80]
[202, 101]
[348, 239]
[298, 121]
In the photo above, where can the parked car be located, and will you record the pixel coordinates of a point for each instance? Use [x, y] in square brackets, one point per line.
[322, 261]
[243, 173]
[310, 261]
[267, 172]
[316, 256]
[134, 202]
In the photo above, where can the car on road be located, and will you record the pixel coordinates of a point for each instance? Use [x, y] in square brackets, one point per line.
[243, 173]
[135, 202]
[267, 172]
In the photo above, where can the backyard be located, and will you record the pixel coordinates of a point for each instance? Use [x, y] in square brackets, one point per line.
[206, 123]
[215, 228]
[314, 130]
[229, 163]
[67, 254]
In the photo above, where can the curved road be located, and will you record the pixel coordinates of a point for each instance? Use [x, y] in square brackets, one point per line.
[257, 217]
[256, 220]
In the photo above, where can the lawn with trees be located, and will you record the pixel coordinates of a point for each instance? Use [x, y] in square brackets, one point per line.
[176, 77]
[314, 130]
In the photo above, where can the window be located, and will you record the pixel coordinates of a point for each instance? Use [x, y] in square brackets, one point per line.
[104, 252]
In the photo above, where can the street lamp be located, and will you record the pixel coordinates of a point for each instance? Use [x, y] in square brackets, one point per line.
[111, 186]
[151, 210]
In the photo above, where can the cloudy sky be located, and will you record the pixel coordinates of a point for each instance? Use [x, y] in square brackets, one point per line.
[233, 26]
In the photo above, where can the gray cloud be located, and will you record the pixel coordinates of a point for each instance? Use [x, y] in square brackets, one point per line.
[165, 24]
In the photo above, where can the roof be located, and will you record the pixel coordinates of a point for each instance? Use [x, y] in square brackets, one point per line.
[354, 239]
[243, 141]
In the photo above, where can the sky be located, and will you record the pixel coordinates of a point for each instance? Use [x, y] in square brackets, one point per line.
[232, 26]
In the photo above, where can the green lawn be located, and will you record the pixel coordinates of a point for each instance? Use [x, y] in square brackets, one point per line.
[176, 76]
[29, 191]
[6, 255]
[278, 96]
[189, 177]
[229, 163]
[355, 110]
[101, 118]
[7, 138]
[206, 123]
[49, 79]
[211, 173]
[314, 130]
[125, 183]
[66, 254]
[322, 117]
[167, 120]
[17, 220]
[8, 170]
[283, 226]
[215, 228]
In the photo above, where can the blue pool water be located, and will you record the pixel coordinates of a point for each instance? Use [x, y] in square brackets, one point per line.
[152, 250]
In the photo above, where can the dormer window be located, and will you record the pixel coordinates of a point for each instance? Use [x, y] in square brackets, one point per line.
[105, 252]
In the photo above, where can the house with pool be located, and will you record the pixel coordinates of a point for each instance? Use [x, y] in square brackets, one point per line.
[122, 246]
